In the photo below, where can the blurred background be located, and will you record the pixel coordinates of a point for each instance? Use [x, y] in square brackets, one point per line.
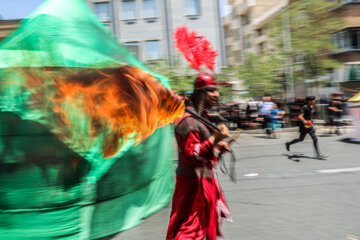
[286, 49]
[276, 51]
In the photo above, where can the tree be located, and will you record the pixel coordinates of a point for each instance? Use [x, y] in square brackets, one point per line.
[262, 74]
[225, 88]
[312, 23]
[182, 77]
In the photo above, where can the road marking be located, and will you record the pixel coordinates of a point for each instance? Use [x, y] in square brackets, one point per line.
[252, 175]
[352, 237]
[339, 170]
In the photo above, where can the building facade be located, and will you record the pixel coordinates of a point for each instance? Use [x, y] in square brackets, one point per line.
[348, 43]
[245, 33]
[245, 27]
[7, 27]
[146, 26]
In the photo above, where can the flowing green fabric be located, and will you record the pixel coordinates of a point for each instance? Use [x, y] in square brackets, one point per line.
[51, 188]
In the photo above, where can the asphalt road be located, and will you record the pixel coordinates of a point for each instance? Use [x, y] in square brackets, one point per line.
[282, 195]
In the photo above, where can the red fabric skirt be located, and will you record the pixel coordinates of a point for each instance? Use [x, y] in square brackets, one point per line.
[194, 214]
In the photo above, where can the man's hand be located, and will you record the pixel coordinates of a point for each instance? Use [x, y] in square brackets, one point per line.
[223, 147]
[224, 130]
[307, 124]
[217, 136]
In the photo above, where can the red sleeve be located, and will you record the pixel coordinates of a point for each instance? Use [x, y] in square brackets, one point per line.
[193, 150]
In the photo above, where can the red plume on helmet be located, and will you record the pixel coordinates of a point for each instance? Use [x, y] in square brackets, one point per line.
[199, 52]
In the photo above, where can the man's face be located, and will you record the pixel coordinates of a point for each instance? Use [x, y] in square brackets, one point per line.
[266, 99]
[311, 103]
[211, 97]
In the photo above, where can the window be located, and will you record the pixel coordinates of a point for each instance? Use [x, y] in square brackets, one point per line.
[102, 10]
[347, 40]
[192, 7]
[227, 32]
[133, 48]
[245, 19]
[235, 34]
[353, 72]
[108, 25]
[152, 50]
[228, 51]
[355, 39]
[128, 9]
[149, 9]
[247, 43]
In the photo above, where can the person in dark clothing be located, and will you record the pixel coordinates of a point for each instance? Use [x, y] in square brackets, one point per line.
[335, 111]
[306, 127]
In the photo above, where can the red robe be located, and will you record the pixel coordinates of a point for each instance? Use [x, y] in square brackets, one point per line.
[198, 202]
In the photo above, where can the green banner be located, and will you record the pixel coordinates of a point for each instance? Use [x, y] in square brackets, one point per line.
[68, 169]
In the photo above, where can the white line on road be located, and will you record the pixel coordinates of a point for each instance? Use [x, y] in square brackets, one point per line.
[252, 175]
[339, 170]
[352, 237]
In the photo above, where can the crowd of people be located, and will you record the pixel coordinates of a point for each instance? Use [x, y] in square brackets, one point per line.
[272, 114]
[202, 135]
[198, 203]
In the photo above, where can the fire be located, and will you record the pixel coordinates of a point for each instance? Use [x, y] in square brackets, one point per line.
[104, 107]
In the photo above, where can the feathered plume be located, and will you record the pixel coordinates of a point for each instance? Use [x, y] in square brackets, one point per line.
[196, 50]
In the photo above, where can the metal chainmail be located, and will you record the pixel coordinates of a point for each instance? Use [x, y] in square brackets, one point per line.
[230, 170]
[200, 108]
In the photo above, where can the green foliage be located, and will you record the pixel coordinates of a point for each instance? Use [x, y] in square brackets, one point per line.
[182, 77]
[224, 77]
[262, 74]
[225, 93]
[311, 24]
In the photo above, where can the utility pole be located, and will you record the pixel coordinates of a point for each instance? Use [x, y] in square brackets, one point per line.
[114, 20]
[221, 36]
[289, 76]
[168, 32]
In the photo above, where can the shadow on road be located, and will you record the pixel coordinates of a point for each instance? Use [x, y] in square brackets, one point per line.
[348, 140]
[264, 136]
[325, 135]
[297, 157]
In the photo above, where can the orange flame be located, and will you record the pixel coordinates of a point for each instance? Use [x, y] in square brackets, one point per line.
[115, 104]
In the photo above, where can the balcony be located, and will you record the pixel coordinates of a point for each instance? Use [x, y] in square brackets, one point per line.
[241, 7]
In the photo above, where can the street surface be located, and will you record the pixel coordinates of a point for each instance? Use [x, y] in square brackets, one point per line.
[282, 195]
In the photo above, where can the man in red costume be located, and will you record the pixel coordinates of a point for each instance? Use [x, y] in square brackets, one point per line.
[198, 202]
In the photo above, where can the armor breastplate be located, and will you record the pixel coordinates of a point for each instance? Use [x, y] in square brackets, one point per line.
[185, 125]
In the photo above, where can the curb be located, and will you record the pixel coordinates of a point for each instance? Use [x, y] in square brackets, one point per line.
[263, 131]
[289, 129]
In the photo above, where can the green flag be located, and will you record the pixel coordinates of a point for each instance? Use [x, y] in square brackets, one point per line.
[78, 156]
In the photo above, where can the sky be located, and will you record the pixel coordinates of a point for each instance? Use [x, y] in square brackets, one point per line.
[16, 9]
